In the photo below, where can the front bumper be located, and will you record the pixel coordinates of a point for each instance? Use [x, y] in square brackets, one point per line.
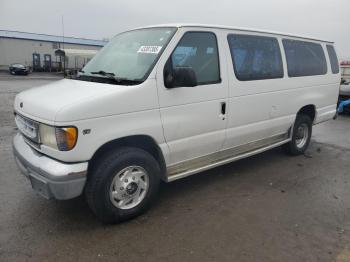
[49, 177]
[19, 71]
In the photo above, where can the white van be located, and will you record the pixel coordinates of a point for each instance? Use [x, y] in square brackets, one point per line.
[166, 102]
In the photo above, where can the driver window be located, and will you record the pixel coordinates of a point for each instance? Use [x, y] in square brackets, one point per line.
[199, 51]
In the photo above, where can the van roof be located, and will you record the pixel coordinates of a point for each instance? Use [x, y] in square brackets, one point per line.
[236, 28]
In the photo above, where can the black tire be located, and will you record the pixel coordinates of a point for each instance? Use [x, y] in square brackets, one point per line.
[100, 178]
[292, 147]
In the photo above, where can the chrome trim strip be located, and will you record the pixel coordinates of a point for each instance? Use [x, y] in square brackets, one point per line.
[194, 166]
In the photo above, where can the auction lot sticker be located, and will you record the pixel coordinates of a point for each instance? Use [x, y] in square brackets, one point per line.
[149, 49]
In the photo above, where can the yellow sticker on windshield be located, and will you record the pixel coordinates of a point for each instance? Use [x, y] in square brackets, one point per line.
[149, 49]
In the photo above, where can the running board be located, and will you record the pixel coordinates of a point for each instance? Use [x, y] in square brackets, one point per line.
[203, 163]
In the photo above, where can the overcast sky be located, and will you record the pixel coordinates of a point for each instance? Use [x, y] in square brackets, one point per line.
[326, 19]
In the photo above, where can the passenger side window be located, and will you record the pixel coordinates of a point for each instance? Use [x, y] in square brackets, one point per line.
[333, 59]
[255, 57]
[304, 58]
[199, 51]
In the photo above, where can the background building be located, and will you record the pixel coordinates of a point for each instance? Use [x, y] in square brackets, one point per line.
[38, 50]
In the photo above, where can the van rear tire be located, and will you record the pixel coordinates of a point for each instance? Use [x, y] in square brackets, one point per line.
[118, 177]
[301, 136]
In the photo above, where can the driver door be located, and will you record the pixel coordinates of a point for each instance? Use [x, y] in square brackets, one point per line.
[194, 118]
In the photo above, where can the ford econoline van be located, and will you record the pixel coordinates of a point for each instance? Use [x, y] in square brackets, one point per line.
[165, 102]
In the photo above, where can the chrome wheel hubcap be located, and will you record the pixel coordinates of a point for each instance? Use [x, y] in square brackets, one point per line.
[129, 187]
[302, 135]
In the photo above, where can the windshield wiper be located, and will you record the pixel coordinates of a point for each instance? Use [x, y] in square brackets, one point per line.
[126, 81]
[116, 79]
[103, 73]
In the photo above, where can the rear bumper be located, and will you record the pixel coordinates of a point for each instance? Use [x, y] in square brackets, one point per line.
[49, 177]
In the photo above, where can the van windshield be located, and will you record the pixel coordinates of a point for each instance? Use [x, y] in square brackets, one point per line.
[129, 56]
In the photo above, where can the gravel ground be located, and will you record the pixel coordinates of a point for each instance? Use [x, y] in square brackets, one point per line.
[269, 207]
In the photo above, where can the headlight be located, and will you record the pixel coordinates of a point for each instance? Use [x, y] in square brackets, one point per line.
[61, 138]
[66, 138]
[48, 136]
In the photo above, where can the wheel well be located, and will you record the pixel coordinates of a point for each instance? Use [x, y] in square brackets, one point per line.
[139, 141]
[308, 110]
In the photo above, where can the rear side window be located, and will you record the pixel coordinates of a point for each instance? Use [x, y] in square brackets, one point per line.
[255, 57]
[304, 58]
[199, 51]
[333, 59]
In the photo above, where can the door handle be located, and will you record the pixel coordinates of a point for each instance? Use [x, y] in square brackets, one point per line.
[223, 110]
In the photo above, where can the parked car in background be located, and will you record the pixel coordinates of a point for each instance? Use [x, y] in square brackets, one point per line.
[345, 71]
[166, 102]
[344, 97]
[344, 92]
[19, 69]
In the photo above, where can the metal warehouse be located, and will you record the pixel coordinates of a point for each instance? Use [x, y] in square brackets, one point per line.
[45, 52]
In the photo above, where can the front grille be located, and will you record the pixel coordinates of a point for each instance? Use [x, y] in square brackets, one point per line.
[29, 128]
[31, 143]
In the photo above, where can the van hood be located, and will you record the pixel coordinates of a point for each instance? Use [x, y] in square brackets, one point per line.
[70, 100]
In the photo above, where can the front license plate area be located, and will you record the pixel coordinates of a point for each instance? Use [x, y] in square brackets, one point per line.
[40, 187]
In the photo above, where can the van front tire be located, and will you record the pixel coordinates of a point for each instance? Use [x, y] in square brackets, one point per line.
[301, 136]
[122, 184]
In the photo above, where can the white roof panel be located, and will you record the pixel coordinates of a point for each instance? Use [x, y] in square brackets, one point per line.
[236, 28]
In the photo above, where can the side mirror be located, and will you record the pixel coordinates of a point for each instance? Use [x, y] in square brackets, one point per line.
[342, 81]
[181, 77]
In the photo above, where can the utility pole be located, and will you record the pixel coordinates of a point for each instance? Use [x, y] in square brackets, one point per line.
[64, 57]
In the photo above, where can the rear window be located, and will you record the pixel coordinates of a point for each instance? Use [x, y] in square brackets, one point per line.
[304, 58]
[333, 59]
[255, 57]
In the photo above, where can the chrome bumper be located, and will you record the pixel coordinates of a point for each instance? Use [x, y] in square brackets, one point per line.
[50, 178]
